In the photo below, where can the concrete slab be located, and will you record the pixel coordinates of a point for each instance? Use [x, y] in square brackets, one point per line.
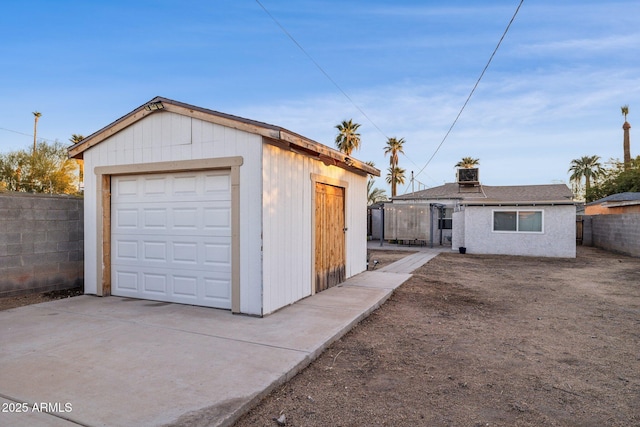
[121, 362]
[410, 263]
[25, 415]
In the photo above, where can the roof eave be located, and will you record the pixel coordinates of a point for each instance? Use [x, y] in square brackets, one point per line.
[269, 132]
[516, 203]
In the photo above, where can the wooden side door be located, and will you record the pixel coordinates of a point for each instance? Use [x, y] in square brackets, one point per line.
[329, 236]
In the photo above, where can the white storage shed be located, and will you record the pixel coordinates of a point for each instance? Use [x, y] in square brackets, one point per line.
[188, 205]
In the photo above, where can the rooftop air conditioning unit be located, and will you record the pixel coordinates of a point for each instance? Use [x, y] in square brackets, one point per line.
[468, 176]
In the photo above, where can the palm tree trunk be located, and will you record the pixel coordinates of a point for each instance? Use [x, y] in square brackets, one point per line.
[393, 182]
[626, 145]
[35, 133]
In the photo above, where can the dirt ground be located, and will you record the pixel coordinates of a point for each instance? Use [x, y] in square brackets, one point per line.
[475, 340]
[18, 301]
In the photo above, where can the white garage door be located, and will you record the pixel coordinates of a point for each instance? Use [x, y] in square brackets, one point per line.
[171, 237]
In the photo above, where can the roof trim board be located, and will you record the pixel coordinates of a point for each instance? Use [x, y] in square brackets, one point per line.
[275, 135]
[506, 203]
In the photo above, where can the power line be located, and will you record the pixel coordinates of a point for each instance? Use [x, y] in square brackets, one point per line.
[319, 67]
[284, 30]
[26, 134]
[472, 90]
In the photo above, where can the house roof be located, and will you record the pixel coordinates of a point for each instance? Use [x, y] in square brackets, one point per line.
[620, 197]
[272, 134]
[495, 195]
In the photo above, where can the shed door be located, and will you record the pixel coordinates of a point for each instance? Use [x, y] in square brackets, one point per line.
[329, 235]
[171, 237]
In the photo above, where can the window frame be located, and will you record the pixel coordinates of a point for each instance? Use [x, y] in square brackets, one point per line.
[517, 212]
[446, 223]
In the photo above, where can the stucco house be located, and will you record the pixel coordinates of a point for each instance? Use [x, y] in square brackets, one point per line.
[533, 220]
[621, 203]
[189, 205]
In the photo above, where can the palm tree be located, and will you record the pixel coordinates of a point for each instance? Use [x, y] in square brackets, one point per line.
[395, 176]
[36, 115]
[374, 194]
[467, 162]
[393, 148]
[348, 139]
[626, 145]
[588, 167]
[76, 138]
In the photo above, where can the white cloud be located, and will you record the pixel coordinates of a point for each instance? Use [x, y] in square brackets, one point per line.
[609, 45]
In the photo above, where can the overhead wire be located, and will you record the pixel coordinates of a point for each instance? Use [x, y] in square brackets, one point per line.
[319, 67]
[475, 86]
[344, 93]
[326, 74]
[26, 134]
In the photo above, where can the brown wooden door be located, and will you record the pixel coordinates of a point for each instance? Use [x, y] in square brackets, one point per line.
[329, 234]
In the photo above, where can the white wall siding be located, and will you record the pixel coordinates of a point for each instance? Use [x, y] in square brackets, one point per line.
[457, 230]
[287, 231]
[166, 136]
[558, 238]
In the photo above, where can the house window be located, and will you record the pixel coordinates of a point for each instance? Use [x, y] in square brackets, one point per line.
[518, 221]
[445, 223]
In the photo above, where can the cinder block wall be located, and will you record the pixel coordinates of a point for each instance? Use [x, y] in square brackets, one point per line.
[41, 243]
[616, 233]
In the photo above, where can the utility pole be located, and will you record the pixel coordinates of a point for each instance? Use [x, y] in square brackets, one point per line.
[626, 145]
[36, 115]
[412, 190]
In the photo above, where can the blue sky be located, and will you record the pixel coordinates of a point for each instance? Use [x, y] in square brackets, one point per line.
[552, 93]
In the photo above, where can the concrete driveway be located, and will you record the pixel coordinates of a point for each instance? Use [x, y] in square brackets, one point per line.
[115, 361]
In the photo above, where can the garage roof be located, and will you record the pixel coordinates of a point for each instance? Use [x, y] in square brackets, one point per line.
[275, 135]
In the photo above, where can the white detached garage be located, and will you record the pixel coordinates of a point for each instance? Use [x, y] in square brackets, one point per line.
[188, 205]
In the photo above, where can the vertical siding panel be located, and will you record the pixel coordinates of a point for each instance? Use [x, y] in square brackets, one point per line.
[287, 227]
[305, 227]
[266, 231]
[286, 273]
[142, 132]
[250, 147]
[196, 139]
[90, 242]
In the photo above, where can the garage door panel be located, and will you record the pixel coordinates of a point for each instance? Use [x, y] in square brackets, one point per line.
[127, 280]
[185, 286]
[217, 184]
[185, 185]
[188, 186]
[182, 286]
[154, 283]
[186, 218]
[126, 188]
[217, 288]
[126, 250]
[218, 218]
[212, 217]
[154, 186]
[171, 238]
[185, 252]
[125, 219]
[172, 251]
[218, 254]
[154, 251]
[154, 218]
